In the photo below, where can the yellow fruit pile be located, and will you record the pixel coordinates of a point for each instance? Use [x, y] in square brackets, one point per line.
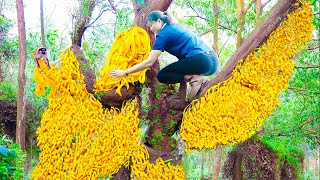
[78, 139]
[44, 76]
[130, 48]
[232, 111]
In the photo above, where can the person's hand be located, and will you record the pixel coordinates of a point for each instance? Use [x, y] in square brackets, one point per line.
[118, 73]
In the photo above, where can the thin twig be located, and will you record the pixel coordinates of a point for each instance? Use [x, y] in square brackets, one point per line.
[223, 45]
[308, 121]
[306, 67]
[301, 89]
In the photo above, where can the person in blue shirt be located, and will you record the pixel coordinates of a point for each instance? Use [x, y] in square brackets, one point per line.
[196, 59]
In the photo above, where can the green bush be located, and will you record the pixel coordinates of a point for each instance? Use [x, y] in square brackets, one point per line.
[11, 160]
[8, 92]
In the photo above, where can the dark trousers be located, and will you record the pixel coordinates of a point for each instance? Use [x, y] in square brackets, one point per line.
[201, 64]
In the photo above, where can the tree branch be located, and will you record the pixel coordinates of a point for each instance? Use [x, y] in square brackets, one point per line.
[298, 89]
[313, 47]
[198, 16]
[224, 45]
[264, 4]
[308, 121]
[211, 29]
[301, 89]
[113, 7]
[249, 6]
[306, 67]
[99, 15]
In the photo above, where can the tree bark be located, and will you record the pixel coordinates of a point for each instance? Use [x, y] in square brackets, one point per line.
[255, 40]
[43, 39]
[238, 170]
[216, 170]
[21, 99]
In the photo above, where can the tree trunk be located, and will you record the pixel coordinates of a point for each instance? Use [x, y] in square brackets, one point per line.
[1, 72]
[316, 173]
[216, 170]
[89, 77]
[255, 40]
[21, 99]
[215, 28]
[238, 170]
[43, 39]
[212, 162]
[82, 22]
[203, 162]
[240, 21]
[157, 136]
[258, 11]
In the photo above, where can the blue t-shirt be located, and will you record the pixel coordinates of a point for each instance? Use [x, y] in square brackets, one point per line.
[179, 41]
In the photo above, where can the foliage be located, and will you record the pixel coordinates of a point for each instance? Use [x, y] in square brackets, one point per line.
[11, 159]
[124, 20]
[8, 45]
[7, 92]
[96, 48]
[316, 21]
[199, 15]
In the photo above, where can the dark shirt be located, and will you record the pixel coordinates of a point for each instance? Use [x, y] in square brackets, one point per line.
[179, 41]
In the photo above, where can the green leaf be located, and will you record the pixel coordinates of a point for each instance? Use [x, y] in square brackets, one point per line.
[156, 120]
[12, 152]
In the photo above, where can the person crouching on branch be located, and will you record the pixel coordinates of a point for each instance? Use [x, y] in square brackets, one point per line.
[196, 59]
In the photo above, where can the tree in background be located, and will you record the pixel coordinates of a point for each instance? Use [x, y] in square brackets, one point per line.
[21, 99]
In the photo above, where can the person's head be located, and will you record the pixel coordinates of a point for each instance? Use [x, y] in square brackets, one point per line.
[156, 19]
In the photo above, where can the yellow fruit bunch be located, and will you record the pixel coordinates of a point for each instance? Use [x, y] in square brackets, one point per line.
[78, 139]
[44, 77]
[130, 48]
[232, 111]
[143, 169]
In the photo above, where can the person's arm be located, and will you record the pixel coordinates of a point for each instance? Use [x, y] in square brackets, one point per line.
[153, 56]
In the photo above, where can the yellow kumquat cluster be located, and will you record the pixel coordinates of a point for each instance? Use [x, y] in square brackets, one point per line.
[78, 139]
[130, 48]
[232, 111]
